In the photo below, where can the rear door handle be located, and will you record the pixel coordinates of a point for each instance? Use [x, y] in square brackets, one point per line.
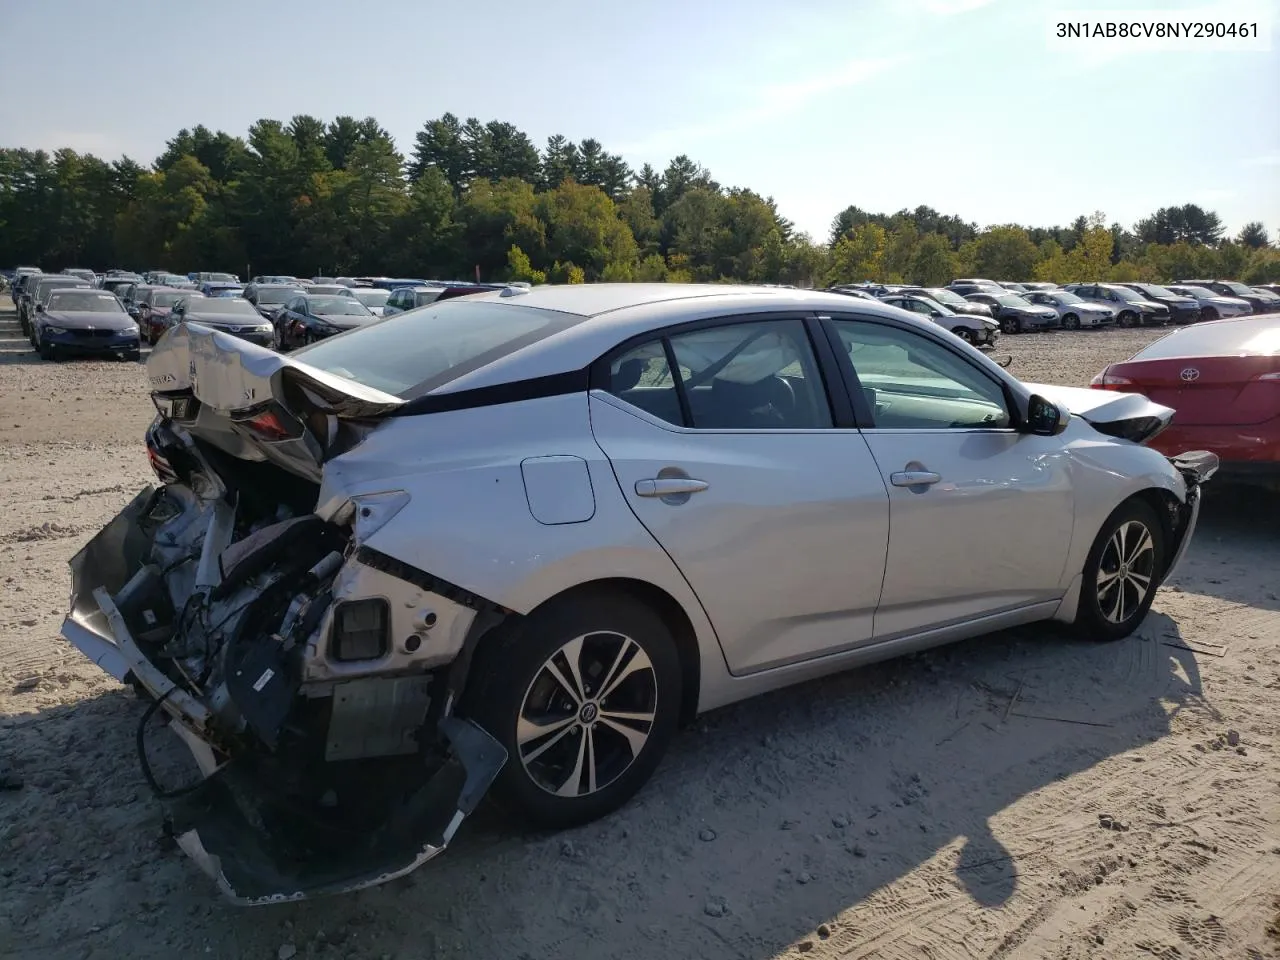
[914, 478]
[669, 486]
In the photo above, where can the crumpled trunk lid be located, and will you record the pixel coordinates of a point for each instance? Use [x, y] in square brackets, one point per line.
[254, 403]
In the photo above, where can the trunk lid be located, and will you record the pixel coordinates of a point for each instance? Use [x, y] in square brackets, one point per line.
[254, 403]
[1207, 391]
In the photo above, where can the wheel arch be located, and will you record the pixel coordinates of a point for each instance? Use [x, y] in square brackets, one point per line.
[672, 614]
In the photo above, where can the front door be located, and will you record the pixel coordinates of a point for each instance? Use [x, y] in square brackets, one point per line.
[777, 518]
[980, 515]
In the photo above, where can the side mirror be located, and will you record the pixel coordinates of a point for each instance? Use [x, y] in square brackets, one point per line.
[39, 308]
[1044, 418]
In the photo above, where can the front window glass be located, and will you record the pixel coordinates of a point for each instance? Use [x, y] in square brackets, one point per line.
[911, 382]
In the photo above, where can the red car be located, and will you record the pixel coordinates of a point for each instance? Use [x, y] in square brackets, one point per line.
[1223, 380]
[154, 307]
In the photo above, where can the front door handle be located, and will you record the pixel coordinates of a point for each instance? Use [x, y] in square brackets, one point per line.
[914, 478]
[669, 487]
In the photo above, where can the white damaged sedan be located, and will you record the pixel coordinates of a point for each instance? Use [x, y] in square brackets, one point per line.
[515, 539]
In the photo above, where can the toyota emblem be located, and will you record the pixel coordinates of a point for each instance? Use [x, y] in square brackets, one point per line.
[1190, 375]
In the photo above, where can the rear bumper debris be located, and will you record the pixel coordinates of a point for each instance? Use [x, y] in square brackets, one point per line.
[278, 812]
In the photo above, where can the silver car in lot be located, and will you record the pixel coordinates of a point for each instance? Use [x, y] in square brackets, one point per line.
[513, 541]
[979, 331]
[1213, 305]
[1074, 312]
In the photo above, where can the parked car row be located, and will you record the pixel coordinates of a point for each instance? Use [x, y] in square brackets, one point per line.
[1023, 307]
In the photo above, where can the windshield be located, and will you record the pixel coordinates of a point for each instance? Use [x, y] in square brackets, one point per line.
[76, 301]
[1155, 290]
[1197, 292]
[945, 296]
[1127, 295]
[419, 350]
[169, 298]
[373, 298]
[46, 286]
[338, 307]
[1251, 337]
[1012, 300]
[220, 277]
[328, 289]
[223, 305]
[277, 295]
[1065, 298]
[225, 292]
[1239, 288]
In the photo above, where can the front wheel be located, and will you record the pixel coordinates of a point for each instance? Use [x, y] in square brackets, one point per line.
[1121, 573]
[1127, 319]
[1071, 322]
[964, 334]
[585, 696]
[1208, 313]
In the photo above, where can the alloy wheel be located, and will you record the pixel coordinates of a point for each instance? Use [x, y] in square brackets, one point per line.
[1126, 572]
[587, 714]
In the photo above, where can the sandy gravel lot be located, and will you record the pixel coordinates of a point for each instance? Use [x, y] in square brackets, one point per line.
[944, 806]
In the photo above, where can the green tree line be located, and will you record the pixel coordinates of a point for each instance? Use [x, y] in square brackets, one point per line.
[483, 199]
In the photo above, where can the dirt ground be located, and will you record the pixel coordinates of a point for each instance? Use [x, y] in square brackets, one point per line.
[950, 805]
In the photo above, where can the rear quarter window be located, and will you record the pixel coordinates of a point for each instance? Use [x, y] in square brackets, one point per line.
[417, 351]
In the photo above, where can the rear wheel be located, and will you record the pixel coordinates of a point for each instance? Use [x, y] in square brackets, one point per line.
[1071, 322]
[584, 694]
[1208, 313]
[1121, 573]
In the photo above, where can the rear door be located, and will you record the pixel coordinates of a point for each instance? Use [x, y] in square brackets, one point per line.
[727, 448]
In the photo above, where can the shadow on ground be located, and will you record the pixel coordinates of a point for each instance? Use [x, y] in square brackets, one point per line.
[767, 819]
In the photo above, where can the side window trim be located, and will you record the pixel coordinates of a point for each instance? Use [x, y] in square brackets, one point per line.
[863, 412]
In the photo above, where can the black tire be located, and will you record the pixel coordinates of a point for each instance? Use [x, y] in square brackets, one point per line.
[1127, 319]
[1010, 325]
[510, 679]
[134, 357]
[45, 351]
[1103, 614]
[965, 334]
[1208, 313]
[1071, 322]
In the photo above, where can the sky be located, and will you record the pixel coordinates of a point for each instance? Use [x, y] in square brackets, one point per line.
[964, 105]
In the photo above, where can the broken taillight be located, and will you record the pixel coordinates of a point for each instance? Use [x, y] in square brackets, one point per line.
[271, 423]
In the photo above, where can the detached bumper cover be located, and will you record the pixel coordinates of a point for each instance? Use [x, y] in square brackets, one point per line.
[223, 828]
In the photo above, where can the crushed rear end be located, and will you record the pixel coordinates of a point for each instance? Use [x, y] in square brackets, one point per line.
[311, 677]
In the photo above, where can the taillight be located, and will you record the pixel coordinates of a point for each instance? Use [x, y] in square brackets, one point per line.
[1109, 381]
[271, 422]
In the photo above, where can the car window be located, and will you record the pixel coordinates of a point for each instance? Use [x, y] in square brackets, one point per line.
[911, 382]
[741, 376]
